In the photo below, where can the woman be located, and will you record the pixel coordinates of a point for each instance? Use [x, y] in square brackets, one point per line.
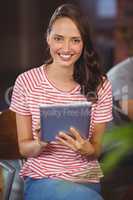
[67, 168]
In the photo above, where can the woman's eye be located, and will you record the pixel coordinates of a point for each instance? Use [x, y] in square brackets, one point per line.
[76, 41]
[58, 39]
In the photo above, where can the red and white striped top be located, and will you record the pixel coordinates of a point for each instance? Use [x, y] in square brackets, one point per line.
[33, 88]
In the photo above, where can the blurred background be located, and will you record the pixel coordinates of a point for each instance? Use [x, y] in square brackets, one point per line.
[23, 25]
[22, 33]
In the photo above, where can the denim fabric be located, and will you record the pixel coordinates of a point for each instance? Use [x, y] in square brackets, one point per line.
[51, 189]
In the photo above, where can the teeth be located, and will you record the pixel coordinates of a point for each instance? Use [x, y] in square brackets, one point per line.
[65, 56]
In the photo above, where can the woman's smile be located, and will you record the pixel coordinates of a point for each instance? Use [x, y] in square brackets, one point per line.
[65, 57]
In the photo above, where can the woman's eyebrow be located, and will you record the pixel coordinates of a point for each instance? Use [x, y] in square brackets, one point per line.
[73, 37]
[58, 35]
[76, 37]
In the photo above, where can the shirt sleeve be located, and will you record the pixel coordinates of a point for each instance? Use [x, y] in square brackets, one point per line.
[103, 108]
[19, 103]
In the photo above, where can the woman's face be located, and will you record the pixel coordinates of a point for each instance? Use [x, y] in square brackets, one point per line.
[65, 42]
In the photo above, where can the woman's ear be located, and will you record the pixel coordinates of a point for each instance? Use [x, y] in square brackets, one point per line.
[47, 39]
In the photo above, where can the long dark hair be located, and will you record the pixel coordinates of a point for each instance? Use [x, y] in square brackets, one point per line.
[87, 71]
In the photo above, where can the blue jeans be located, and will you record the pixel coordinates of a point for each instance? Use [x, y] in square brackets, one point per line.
[53, 189]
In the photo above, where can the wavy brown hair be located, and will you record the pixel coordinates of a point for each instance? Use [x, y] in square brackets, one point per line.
[87, 71]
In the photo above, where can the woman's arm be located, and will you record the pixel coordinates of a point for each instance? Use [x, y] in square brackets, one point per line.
[28, 147]
[97, 136]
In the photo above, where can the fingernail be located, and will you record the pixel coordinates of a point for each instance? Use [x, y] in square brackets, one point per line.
[60, 133]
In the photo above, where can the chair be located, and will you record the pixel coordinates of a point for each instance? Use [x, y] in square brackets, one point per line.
[9, 151]
[10, 177]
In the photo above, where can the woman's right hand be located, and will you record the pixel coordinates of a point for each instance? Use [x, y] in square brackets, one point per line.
[28, 146]
[35, 146]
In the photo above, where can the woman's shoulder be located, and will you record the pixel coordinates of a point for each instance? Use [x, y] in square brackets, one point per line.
[105, 82]
[105, 86]
[30, 79]
[33, 74]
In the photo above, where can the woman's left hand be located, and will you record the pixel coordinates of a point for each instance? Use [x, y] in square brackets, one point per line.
[74, 140]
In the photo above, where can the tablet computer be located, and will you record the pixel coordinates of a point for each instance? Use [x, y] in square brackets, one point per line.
[60, 117]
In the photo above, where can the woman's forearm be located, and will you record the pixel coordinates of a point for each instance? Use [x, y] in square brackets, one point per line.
[97, 150]
[31, 148]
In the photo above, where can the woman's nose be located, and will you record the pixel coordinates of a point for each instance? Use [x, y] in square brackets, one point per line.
[66, 46]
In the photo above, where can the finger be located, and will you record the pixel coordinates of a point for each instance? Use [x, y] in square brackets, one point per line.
[69, 141]
[38, 127]
[37, 130]
[37, 138]
[67, 136]
[37, 135]
[78, 145]
[65, 142]
[43, 144]
[76, 134]
[38, 123]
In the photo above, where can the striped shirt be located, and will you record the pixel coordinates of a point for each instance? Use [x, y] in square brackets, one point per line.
[31, 89]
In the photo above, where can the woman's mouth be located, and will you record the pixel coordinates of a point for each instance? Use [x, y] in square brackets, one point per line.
[65, 57]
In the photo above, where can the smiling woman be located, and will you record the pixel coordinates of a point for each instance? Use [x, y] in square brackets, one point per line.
[71, 74]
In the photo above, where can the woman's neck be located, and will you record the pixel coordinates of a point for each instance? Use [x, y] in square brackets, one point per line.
[62, 74]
